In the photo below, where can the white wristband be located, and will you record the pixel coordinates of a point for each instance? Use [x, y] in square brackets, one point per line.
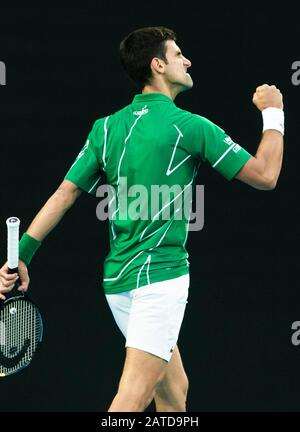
[273, 118]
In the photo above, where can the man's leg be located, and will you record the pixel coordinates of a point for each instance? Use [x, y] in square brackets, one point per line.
[171, 392]
[142, 372]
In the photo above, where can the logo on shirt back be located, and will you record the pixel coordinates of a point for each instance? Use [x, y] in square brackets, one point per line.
[142, 112]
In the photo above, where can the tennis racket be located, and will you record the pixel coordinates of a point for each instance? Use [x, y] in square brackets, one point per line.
[21, 325]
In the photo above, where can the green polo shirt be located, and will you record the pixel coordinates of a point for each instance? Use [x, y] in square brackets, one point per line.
[150, 152]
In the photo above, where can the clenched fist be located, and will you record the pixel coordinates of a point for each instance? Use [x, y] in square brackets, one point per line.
[267, 96]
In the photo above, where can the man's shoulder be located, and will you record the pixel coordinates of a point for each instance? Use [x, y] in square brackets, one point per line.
[112, 115]
[191, 118]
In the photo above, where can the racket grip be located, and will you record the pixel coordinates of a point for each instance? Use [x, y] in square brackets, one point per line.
[13, 224]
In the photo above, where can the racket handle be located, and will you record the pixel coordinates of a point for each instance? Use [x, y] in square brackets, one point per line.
[13, 224]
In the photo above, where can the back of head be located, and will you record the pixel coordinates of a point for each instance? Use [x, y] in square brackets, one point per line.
[138, 49]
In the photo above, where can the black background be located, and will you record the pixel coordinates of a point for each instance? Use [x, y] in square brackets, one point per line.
[63, 72]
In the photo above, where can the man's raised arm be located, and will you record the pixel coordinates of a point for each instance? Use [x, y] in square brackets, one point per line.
[262, 170]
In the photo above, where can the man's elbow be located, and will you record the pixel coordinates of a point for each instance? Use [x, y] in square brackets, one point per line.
[255, 174]
[65, 197]
[272, 184]
[267, 183]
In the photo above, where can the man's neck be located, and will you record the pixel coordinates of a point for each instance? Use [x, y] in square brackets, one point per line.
[171, 93]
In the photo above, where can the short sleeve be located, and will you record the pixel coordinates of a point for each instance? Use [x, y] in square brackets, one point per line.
[86, 171]
[211, 143]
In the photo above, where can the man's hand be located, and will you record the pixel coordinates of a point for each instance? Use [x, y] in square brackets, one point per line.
[7, 281]
[267, 96]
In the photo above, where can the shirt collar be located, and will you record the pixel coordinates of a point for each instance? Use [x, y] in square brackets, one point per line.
[147, 97]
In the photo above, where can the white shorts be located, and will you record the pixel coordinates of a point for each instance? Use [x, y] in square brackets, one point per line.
[150, 316]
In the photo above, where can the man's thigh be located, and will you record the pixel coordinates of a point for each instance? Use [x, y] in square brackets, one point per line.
[174, 377]
[142, 371]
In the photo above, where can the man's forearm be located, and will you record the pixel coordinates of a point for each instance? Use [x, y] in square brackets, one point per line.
[51, 213]
[270, 153]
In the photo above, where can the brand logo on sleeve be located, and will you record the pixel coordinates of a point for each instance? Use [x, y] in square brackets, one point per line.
[228, 140]
[81, 153]
[236, 148]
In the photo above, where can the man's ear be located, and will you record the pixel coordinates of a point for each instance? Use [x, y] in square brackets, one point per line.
[157, 65]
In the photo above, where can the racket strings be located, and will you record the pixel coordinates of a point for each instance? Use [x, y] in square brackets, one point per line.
[21, 330]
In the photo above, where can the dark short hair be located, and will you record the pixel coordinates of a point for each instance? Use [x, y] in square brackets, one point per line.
[138, 49]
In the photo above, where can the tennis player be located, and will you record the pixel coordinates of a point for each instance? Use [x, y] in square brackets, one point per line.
[146, 273]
